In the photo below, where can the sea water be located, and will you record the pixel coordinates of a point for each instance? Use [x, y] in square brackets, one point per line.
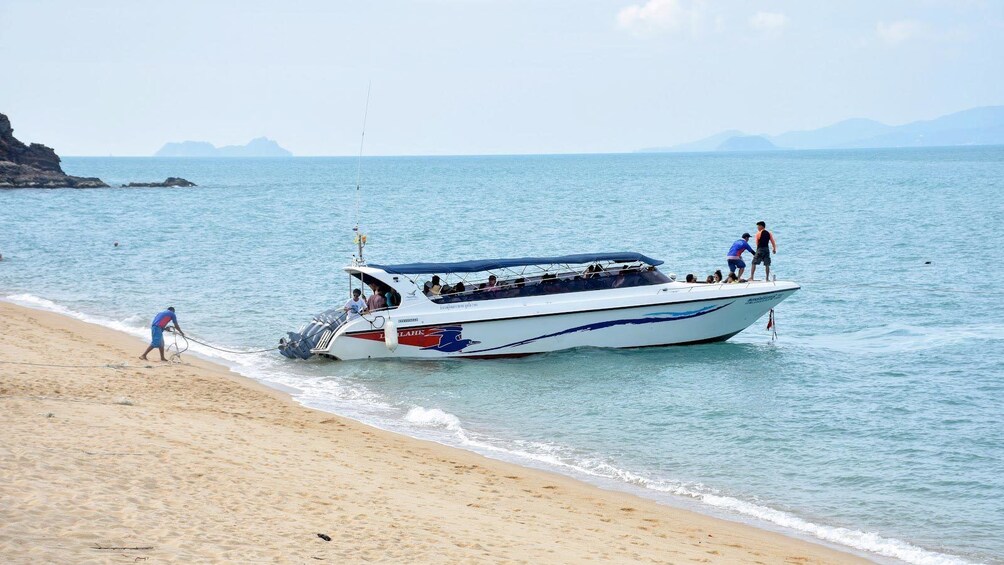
[874, 422]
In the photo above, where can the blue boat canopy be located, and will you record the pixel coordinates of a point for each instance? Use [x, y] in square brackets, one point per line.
[489, 264]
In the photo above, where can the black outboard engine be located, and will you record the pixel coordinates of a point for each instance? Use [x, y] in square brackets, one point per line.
[297, 345]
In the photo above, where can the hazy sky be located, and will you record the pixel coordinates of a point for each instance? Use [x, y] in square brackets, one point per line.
[482, 76]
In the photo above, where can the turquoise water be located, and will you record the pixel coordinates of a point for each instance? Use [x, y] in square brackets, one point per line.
[876, 421]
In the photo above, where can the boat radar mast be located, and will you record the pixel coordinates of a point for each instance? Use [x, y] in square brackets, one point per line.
[360, 238]
[360, 241]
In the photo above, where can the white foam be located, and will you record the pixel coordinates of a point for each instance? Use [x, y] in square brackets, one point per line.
[131, 325]
[433, 417]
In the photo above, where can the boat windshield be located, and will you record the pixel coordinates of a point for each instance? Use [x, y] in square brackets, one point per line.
[538, 280]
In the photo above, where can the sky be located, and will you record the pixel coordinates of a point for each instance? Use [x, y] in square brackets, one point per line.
[456, 77]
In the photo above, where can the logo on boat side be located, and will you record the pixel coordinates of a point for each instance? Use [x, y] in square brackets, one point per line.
[450, 340]
[447, 339]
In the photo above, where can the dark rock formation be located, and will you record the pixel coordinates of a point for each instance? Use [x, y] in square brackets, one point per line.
[33, 166]
[169, 181]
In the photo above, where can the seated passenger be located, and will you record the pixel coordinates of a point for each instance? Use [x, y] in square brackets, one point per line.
[435, 288]
[391, 298]
[710, 279]
[691, 278]
[459, 287]
[520, 282]
[492, 283]
[732, 278]
[376, 301]
[621, 278]
[718, 275]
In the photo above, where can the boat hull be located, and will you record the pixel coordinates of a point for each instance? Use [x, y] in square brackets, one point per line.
[669, 318]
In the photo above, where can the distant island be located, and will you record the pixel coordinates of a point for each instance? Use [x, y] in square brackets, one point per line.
[746, 143]
[259, 147]
[35, 165]
[977, 126]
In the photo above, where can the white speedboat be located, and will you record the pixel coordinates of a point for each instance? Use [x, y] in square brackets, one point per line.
[515, 307]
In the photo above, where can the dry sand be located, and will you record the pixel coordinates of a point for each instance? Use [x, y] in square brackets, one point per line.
[193, 463]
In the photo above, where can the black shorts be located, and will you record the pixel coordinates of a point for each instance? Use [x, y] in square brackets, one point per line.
[762, 256]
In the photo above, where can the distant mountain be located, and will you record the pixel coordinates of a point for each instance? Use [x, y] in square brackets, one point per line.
[747, 143]
[260, 147]
[837, 135]
[706, 144]
[977, 126]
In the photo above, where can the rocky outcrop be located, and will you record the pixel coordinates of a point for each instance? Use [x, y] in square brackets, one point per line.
[34, 166]
[169, 181]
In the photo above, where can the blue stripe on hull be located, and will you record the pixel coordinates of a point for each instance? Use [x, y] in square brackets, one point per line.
[672, 317]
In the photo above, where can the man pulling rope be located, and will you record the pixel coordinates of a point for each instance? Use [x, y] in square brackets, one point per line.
[160, 322]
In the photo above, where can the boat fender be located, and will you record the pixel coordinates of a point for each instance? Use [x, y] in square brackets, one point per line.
[390, 335]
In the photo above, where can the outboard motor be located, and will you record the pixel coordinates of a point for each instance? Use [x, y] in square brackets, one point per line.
[297, 345]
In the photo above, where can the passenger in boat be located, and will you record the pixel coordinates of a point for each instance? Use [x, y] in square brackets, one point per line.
[735, 257]
[710, 279]
[376, 301]
[459, 287]
[691, 278]
[391, 297]
[718, 275]
[732, 278]
[764, 241]
[493, 284]
[652, 276]
[623, 277]
[436, 287]
[356, 305]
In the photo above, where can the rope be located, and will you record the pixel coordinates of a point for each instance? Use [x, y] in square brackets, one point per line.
[204, 344]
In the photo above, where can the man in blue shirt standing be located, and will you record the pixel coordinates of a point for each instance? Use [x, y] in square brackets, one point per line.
[735, 257]
[160, 322]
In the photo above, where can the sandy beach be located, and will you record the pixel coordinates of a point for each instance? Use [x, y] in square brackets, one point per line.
[125, 461]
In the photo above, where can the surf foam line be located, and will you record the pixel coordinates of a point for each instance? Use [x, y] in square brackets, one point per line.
[564, 460]
[555, 457]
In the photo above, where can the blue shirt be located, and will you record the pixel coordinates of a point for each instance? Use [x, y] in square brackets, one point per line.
[164, 318]
[738, 247]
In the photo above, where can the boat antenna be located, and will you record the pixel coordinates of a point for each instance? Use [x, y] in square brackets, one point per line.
[360, 238]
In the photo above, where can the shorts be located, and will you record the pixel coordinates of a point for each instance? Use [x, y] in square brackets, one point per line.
[736, 264]
[762, 256]
[157, 336]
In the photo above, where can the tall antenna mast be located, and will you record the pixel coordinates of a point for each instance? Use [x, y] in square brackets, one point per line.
[360, 238]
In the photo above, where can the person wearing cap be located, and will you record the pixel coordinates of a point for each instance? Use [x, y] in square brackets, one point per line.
[157, 327]
[735, 257]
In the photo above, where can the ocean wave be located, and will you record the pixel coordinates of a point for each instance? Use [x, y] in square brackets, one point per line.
[433, 417]
[900, 338]
[131, 325]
